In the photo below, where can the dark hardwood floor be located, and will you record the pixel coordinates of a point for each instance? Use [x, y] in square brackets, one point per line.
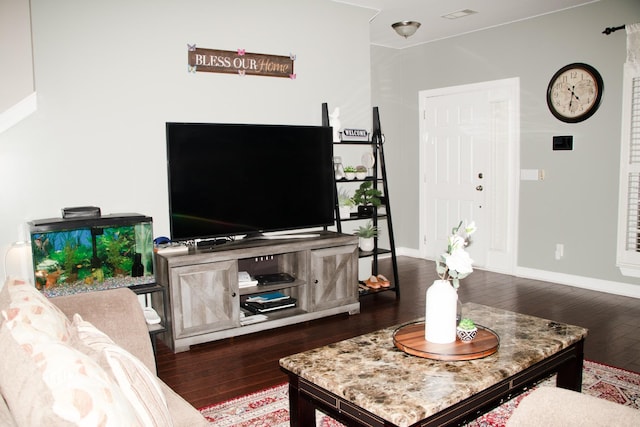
[217, 371]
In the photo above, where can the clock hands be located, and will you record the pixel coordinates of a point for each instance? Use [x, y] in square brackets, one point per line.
[573, 95]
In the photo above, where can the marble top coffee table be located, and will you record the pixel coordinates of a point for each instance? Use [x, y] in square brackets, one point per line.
[367, 381]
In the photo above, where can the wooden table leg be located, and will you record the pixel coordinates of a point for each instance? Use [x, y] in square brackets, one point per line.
[302, 413]
[570, 373]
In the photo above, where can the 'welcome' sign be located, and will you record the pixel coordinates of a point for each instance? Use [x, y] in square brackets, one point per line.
[240, 62]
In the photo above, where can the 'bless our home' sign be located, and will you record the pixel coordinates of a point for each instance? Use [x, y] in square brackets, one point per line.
[240, 62]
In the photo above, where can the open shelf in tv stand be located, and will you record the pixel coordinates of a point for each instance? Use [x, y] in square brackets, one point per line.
[204, 296]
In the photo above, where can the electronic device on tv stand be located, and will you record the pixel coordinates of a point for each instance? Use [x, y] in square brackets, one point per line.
[274, 278]
[246, 179]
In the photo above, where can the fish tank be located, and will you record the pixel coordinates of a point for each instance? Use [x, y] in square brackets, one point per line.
[80, 254]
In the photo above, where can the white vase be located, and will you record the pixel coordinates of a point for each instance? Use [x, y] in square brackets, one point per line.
[440, 314]
[366, 243]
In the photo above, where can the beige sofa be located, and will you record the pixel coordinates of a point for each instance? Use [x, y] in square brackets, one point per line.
[128, 361]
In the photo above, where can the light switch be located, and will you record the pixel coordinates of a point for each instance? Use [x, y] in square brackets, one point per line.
[529, 174]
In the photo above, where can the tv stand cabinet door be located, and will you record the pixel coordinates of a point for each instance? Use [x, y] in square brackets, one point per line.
[334, 277]
[204, 298]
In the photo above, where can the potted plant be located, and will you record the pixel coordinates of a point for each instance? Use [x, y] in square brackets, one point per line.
[350, 172]
[345, 203]
[361, 172]
[366, 234]
[466, 330]
[367, 198]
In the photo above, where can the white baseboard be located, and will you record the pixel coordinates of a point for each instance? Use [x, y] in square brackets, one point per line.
[413, 253]
[608, 286]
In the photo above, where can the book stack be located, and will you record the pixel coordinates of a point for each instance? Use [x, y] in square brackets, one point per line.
[248, 318]
[265, 303]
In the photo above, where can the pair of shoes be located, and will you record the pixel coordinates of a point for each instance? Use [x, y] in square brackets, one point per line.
[372, 282]
[384, 282]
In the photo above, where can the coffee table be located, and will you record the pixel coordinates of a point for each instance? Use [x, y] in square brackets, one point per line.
[367, 381]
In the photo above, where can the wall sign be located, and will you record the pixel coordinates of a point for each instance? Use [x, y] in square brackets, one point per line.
[239, 62]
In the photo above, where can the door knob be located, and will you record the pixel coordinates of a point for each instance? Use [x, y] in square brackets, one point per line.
[479, 188]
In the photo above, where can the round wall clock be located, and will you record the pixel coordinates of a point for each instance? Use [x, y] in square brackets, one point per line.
[574, 92]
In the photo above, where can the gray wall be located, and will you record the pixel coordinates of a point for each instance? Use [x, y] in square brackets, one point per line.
[109, 74]
[576, 204]
[16, 79]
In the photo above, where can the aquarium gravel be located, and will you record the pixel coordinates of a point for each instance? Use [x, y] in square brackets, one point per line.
[110, 283]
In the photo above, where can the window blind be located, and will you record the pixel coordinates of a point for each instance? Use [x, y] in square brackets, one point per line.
[633, 190]
[628, 236]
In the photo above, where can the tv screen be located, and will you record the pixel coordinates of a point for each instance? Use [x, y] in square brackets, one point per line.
[244, 179]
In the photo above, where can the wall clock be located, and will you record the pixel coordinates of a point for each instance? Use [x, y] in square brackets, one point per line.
[574, 92]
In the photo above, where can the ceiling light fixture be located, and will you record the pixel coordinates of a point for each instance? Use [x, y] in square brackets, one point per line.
[406, 28]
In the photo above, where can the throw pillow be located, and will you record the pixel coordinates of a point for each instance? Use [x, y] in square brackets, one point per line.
[45, 382]
[5, 300]
[137, 383]
[28, 305]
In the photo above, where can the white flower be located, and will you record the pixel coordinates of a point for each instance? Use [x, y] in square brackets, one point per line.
[455, 242]
[459, 261]
[455, 263]
[470, 228]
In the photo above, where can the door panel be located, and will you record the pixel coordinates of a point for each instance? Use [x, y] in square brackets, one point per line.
[458, 145]
[204, 298]
[469, 163]
[334, 277]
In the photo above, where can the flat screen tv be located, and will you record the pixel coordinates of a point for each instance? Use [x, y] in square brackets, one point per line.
[246, 179]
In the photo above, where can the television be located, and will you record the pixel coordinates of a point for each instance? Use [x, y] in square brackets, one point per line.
[228, 180]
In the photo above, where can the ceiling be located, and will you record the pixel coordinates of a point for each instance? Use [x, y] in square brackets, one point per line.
[490, 13]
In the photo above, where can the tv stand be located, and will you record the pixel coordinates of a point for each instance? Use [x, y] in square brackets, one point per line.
[204, 295]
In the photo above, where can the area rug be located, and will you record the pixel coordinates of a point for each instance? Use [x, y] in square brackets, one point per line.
[270, 407]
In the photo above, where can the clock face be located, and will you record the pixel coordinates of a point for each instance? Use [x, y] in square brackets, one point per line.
[574, 92]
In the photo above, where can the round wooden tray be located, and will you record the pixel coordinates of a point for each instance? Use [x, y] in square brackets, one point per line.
[410, 339]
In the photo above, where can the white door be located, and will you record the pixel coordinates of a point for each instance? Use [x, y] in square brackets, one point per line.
[469, 164]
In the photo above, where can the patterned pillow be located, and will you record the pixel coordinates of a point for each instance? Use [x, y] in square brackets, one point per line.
[137, 383]
[28, 305]
[45, 382]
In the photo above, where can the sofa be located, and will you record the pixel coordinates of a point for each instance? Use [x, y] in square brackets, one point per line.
[81, 360]
[558, 407]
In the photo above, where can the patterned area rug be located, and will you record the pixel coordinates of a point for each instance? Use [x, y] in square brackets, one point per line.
[270, 407]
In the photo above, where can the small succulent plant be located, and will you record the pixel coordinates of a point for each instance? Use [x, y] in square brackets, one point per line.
[466, 324]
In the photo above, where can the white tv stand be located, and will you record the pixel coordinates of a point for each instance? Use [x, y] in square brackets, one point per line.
[203, 294]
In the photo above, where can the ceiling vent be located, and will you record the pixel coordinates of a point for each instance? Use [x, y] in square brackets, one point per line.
[459, 14]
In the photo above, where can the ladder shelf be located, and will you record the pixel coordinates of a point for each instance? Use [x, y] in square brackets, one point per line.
[379, 180]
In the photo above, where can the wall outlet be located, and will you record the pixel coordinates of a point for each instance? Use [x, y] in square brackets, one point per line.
[559, 251]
